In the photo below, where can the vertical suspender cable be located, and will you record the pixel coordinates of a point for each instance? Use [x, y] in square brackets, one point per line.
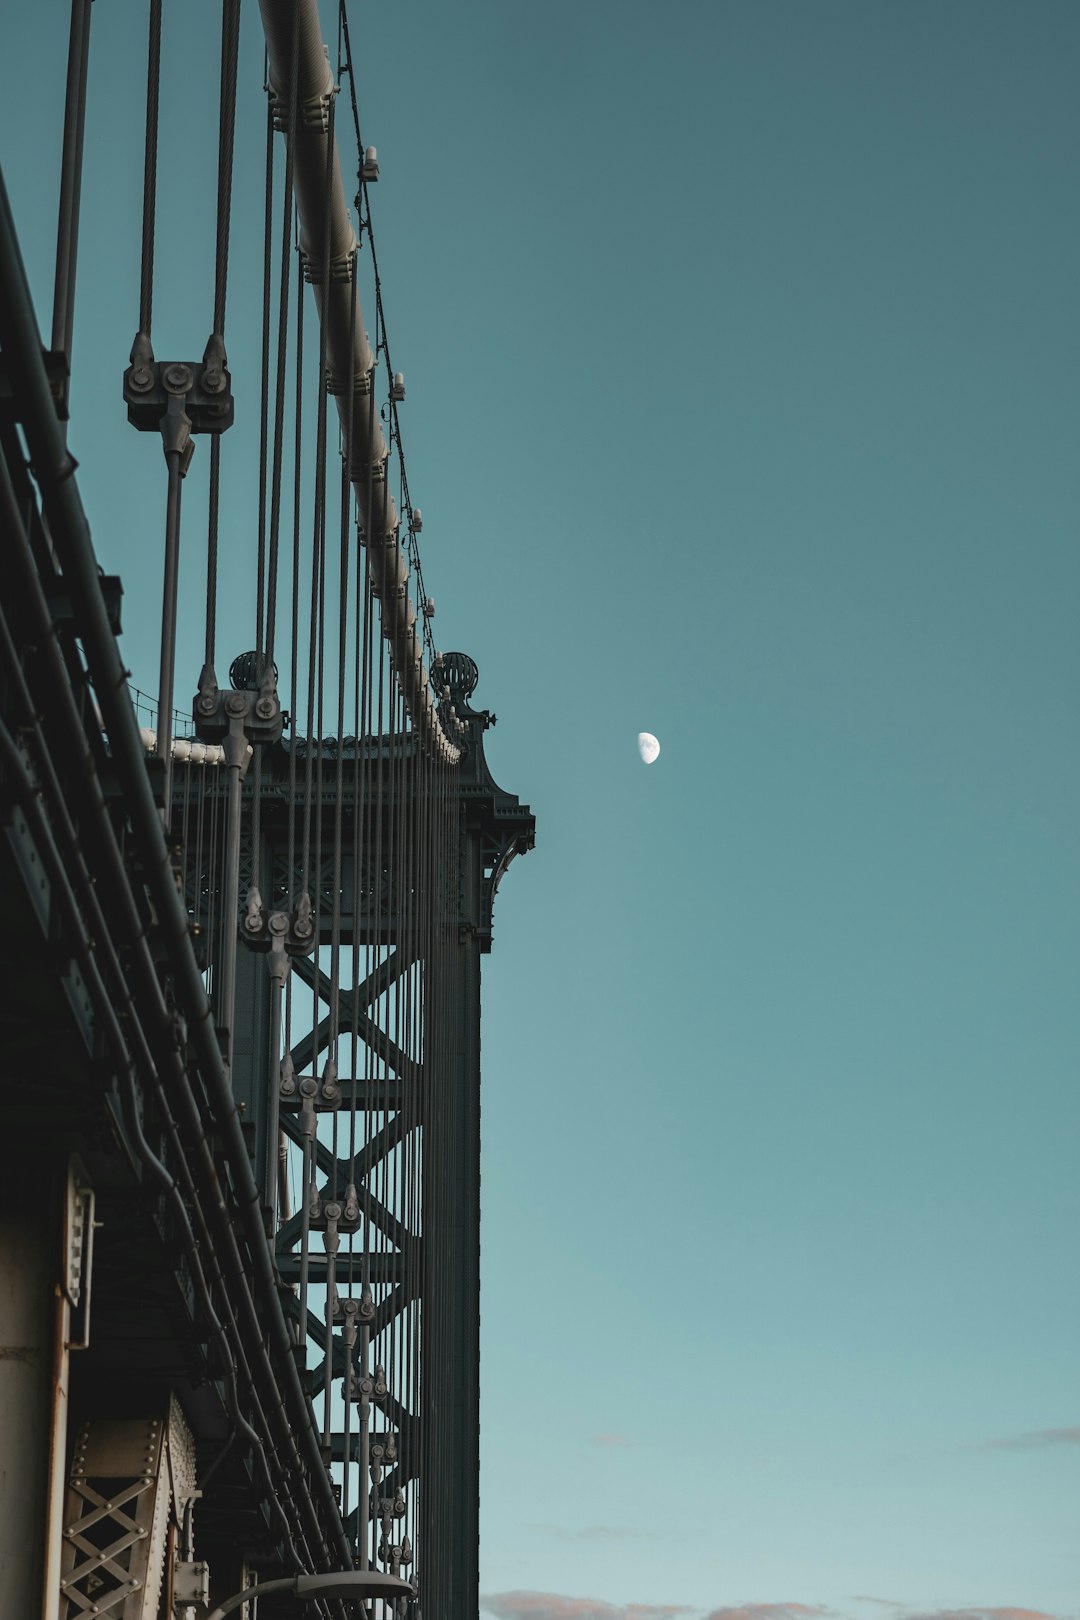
[67, 230]
[338, 868]
[294, 626]
[230, 46]
[279, 393]
[210, 645]
[268, 229]
[176, 438]
[153, 78]
[320, 544]
[294, 888]
[176, 426]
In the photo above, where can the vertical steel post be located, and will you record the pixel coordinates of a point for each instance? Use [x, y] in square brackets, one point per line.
[450, 1507]
[34, 1315]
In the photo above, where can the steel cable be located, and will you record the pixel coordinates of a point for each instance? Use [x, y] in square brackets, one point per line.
[230, 48]
[282, 340]
[149, 219]
[264, 397]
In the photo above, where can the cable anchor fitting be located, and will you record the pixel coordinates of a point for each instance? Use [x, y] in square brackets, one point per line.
[276, 932]
[204, 388]
[251, 710]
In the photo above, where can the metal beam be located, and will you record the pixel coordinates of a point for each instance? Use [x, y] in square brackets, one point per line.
[379, 1268]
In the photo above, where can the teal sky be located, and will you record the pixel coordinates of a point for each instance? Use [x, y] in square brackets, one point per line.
[742, 349]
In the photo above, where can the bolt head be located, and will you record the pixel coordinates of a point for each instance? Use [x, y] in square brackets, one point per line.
[177, 379]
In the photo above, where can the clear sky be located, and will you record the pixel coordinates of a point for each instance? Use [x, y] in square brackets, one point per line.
[741, 345]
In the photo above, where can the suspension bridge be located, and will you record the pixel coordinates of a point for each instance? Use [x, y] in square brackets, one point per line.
[242, 941]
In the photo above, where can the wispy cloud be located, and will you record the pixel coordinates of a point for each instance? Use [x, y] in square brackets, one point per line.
[595, 1532]
[611, 1440]
[554, 1606]
[980, 1614]
[550, 1606]
[1028, 1442]
[769, 1611]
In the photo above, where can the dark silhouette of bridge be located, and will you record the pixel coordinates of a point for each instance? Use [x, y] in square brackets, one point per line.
[241, 956]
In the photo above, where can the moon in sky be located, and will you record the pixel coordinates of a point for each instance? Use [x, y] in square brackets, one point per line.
[648, 747]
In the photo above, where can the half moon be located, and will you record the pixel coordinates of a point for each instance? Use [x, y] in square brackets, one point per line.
[648, 747]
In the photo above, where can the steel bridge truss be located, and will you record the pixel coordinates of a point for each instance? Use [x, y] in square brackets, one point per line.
[239, 1067]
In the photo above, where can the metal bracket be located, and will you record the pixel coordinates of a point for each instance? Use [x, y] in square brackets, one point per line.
[78, 1254]
[191, 1584]
[204, 389]
[342, 1213]
[308, 1095]
[255, 716]
[283, 936]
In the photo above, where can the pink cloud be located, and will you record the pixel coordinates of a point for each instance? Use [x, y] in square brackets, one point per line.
[1025, 1442]
[768, 1611]
[981, 1614]
[550, 1606]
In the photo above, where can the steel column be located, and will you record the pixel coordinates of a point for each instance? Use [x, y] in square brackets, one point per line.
[34, 1323]
[450, 1506]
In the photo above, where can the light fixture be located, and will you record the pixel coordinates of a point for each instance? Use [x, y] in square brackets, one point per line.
[348, 1583]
